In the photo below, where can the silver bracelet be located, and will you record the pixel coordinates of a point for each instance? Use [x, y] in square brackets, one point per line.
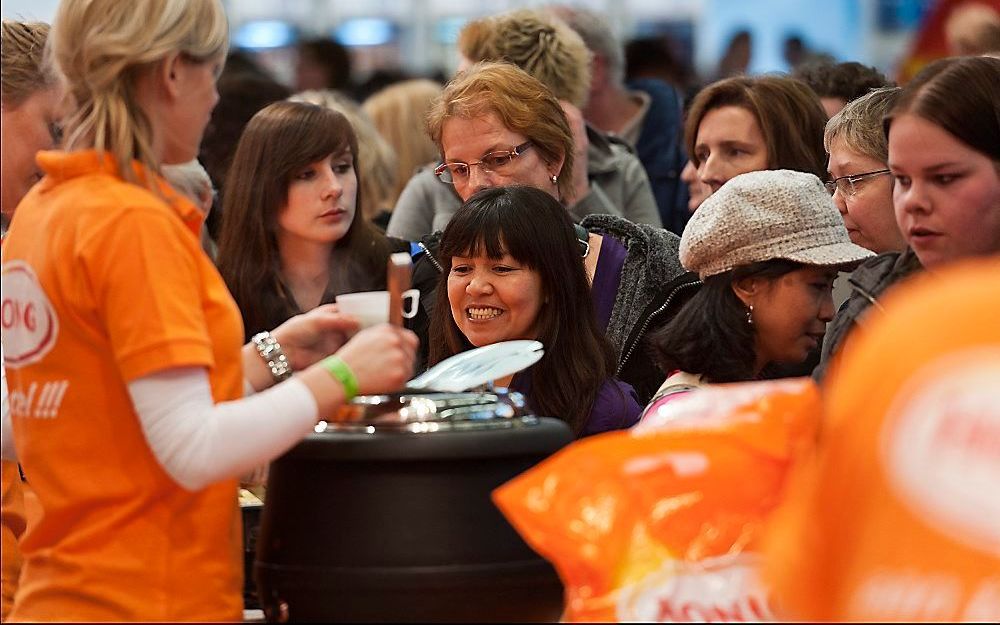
[273, 355]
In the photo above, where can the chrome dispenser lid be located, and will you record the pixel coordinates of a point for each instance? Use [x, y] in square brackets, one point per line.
[434, 401]
[477, 367]
[432, 412]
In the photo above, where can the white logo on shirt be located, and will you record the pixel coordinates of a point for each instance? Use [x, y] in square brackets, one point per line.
[941, 447]
[40, 402]
[30, 326]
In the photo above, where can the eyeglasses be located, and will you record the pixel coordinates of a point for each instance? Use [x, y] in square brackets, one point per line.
[458, 172]
[848, 185]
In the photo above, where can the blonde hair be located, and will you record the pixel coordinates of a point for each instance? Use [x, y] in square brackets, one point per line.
[23, 70]
[398, 113]
[102, 47]
[859, 124]
[522, 103]
[374, 158]
[540, 44]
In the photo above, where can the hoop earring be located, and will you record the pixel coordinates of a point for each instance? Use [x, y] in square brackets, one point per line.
[750, 315]
[555, 179]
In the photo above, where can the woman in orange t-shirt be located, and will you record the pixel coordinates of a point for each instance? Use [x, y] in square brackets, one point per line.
[125, 361]
[29, 121]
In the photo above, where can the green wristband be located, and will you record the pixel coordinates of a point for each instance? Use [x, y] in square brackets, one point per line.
[340, 372]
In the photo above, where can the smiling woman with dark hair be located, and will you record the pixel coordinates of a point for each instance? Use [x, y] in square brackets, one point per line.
[514, 271]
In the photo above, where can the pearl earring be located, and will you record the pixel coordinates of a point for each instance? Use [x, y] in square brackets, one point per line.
[555, 179]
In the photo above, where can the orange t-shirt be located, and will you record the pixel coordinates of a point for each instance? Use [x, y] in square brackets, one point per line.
[105, 282]
[11, 528]
[898, 515]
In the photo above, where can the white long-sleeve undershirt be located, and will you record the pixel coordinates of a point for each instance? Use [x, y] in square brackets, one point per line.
[198, 442]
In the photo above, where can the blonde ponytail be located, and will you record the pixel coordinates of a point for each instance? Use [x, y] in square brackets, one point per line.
[102, 47]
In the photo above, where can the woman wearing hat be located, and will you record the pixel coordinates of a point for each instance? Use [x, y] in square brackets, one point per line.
[767, 245]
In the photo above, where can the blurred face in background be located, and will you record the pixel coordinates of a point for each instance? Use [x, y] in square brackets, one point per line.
[946, 195]
[730, 142]
[310, 73]
[866, 203]
[322, 199]
[25, 129]
[832, 106]
[697, 192]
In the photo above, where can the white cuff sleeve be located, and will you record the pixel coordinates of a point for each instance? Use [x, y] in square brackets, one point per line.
[198, 442]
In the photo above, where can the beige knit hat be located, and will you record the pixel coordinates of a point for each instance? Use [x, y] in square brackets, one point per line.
[764, 215]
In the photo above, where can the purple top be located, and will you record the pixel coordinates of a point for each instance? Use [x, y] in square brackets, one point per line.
[616, 406]
[607, 277]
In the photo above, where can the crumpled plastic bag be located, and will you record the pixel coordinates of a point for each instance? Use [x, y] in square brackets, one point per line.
[662, 522]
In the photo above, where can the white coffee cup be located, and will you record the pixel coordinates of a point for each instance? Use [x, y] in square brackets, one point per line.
[372, 307]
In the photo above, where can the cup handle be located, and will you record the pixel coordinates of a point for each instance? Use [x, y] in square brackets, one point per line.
[414, 297]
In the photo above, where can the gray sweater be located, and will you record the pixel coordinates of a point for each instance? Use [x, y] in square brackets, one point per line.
[618, 186]
[653, 286]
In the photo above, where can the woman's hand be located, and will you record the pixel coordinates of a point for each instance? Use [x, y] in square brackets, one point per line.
[578, 126]
[381, 358]
[314, 335]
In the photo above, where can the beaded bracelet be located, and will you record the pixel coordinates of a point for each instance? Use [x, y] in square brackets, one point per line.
[273, 356]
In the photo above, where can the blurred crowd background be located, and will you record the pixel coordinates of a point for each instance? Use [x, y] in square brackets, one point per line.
[363, 45]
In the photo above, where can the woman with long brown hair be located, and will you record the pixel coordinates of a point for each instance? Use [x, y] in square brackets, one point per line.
[293, 236]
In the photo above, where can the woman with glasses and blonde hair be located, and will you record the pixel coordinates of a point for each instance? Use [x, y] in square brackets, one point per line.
[495, 126]
[860, 181]
[861, 186]
[127, 380]
[608, 178]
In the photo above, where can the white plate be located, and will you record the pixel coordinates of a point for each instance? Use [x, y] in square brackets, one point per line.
[478, 366]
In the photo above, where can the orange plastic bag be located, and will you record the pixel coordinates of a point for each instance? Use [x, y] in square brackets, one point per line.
[661, 522]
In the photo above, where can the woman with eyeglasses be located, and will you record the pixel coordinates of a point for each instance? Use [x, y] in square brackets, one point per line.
[861, 186]
[495, 126]
[860, 181]
[943, 135]
[608, 178]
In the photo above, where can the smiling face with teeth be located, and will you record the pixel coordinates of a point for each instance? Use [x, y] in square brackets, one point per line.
[494, 299]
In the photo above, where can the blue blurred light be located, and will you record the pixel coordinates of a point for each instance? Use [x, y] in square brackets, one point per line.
[446, 30]
[263, 34]
[365, 31]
